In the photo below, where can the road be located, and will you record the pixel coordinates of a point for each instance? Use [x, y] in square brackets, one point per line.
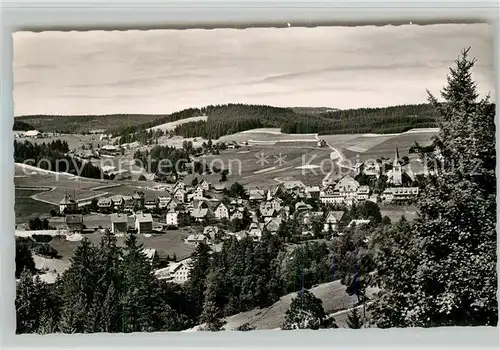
[336, 154]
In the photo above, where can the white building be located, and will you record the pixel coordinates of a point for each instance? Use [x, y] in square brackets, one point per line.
[221, 211]
[198, 193]
[144, 223]
[172, 218]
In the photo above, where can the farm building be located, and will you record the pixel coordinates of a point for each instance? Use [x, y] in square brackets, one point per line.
[119, 223]
[74, 222]
[143, 223]
[67, 205]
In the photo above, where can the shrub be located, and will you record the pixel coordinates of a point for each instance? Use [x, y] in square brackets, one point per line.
[42, 238]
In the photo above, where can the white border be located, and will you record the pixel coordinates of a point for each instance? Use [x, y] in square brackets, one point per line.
[112, 14]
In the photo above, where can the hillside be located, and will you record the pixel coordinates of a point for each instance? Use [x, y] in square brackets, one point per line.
[335, 300]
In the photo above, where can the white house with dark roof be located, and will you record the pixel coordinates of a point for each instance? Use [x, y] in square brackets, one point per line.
[266, 209]
[332, 220]
[118, 202]
[180, 195]
[255, 231]
[221, 211]
[195, 239]
[204, 184]
[199, 193]
[199, 214]
[256, 195]
[143, 223]
[363, 193]
[119, 223]
[179, 185]
[163, 202]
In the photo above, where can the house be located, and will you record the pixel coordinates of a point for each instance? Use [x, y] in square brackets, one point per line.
[347, 185]
[144, 223]
[199, 214]
[237, 214]
[277, 204]
[255, 231]
[240, 235]
[373, 198]
[67, 205]
[128, 203]
[363, 193]
[74, 222]
[150, 202]
[293, 185]
[219, 188]
[399, 194]
[332, 220]
[266, 209]
[138, 198]
[105, 205]
[299, 206]
[221, 211]
[211, 232]
[358, 223]
[119, 223]
[195, 239]
[163, 202]
[256, 195]
[330, 179]
[118, 202]
[204, 184]
[198, 193]
[172, 218]
[273, 225]
[177, 272]
[312, 192]
[180, 195]
[331, 196]
[173, 204]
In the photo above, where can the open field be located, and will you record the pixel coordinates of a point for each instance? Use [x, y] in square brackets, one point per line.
[75, 141]
[26, 208]
[173, 125]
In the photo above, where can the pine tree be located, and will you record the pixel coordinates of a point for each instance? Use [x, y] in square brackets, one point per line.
[306, 312]
[26, 307]
[197, 276]
[445, 274]
[212, 315]
[354, 320]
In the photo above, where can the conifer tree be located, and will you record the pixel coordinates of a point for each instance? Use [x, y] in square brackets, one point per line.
[26, 303]
[306, 312]
[354, 320]
[444, 272]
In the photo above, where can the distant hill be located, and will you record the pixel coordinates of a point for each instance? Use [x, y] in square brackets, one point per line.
[232, 118]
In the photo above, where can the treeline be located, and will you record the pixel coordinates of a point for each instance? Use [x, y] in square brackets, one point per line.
[164, 159]
[22, 126]
[393, 119]
[52, 156]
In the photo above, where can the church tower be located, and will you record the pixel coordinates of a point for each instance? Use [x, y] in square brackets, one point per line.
[397, 174]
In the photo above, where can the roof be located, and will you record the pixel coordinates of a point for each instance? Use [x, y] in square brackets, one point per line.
[32, 133]
[117, 198]
[119, 218]
[143, 217]
[67, 199]
[127, 198]
[104, 201]
[312, 189]
[196, 238]
[336, 214]
[358, 222]
[172, 211]
[289, 185]
[199, 213]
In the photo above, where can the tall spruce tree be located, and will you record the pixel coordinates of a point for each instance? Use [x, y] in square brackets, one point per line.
[197, 277]
[354, 320]
[445, 274]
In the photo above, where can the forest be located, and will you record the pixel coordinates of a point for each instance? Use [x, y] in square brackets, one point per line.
[53, 156]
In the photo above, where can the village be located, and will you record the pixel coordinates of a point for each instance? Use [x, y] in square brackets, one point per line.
[210, 213]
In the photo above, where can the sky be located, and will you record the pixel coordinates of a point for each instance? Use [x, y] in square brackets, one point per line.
[163, 71]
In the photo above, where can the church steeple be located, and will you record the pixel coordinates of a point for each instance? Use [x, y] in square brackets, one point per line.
[396, 157]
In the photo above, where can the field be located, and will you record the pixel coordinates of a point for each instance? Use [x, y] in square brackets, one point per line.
[26, 208]
[173, 125]
[75, 141]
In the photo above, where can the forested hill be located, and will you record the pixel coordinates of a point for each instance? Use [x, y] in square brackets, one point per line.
[228, 119]
[232, 118]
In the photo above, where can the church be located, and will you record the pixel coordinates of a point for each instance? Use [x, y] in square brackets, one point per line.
[398, 176]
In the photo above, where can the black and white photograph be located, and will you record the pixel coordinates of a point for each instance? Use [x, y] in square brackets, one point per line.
[249, 179]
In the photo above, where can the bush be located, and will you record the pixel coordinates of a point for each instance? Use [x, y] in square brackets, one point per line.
[42, 238]
[142, 178]
[46, 250]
